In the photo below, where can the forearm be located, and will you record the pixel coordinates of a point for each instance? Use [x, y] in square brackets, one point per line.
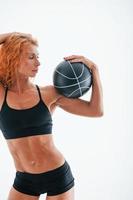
[3, 37]
[96, 100]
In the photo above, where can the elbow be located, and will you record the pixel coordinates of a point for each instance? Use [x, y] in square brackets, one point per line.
[95, 114]
[100, 114]
[99, 111]
[95, 111]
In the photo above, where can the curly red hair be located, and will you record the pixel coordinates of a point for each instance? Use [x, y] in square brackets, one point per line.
[10, 53]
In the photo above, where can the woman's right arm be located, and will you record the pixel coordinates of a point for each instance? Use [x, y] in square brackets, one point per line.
[3, 37]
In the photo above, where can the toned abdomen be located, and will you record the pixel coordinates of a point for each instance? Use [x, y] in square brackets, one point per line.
[35, 154]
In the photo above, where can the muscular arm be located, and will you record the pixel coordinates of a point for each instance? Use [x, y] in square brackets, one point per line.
[96, 101]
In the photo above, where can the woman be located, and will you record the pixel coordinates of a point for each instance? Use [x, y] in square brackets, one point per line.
[26, 122]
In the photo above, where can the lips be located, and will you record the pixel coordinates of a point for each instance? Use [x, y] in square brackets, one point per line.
[35, 70]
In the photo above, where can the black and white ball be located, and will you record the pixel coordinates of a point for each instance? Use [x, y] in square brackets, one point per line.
[72, 79]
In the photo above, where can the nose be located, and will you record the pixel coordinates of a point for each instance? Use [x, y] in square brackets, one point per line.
[37, 62]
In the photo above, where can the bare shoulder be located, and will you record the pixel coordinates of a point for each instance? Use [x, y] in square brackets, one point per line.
[50, 96]
[50, 92]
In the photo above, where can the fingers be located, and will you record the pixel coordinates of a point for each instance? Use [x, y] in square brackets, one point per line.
[75, 60]
[73, 57]
[79, 58]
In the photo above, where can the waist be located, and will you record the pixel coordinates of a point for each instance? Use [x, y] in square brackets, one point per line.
[35, 154]
[39, 165]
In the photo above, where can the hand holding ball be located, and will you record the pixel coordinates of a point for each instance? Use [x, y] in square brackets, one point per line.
[72, 79]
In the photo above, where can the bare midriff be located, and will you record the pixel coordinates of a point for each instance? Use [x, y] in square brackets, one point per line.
[35, 154]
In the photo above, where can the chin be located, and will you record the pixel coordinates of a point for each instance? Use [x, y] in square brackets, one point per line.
[32, 75]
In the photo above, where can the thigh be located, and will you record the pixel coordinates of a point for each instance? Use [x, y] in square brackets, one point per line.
[15, 195]
[69, 195]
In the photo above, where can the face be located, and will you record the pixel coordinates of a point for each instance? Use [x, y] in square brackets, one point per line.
[29, 61]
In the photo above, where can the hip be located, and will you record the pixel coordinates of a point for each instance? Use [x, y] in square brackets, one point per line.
[52, 182]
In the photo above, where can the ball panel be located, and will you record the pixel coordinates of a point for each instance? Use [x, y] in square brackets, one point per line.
[68, 91]
[78, 92]
[77, 69]
[61, 82]
[65, 69]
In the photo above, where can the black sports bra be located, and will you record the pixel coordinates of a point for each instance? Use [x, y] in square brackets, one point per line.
[15, 123]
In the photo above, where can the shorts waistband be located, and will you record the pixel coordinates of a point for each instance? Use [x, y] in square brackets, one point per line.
[57, 171]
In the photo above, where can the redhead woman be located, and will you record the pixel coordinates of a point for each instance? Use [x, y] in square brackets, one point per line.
[26, 113]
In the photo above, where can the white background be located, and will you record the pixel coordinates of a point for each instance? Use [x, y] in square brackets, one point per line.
[99, 150]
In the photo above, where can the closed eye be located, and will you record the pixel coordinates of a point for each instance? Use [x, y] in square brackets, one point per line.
[34, 56]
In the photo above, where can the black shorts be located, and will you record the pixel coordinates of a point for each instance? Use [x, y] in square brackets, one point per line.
[52, 182]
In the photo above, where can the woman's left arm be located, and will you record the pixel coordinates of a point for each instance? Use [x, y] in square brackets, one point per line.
[91, 108]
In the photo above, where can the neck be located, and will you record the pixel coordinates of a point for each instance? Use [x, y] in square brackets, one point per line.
[21, 86]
